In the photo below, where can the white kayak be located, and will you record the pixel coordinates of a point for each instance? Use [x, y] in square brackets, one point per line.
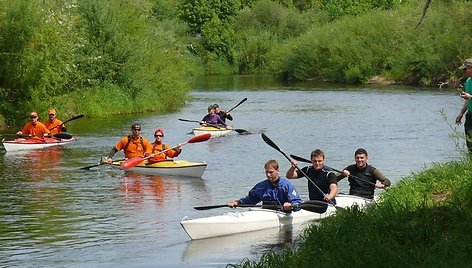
[214, 131]
[168, 167]
[346, 200]
[21, 144]
[254, 219]
[235, 222]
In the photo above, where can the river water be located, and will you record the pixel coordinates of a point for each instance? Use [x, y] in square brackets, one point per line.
[54, 214]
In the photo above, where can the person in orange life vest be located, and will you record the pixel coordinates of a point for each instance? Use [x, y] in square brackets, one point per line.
[158, 146]
[133, 145]
[34, 128]
[53, 124]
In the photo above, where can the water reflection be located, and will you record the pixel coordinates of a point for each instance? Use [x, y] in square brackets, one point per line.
[257, 243]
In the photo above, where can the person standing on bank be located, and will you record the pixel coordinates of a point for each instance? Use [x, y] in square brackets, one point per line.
[275, 188]
[53, 124]
[158, 146]
[34, 128]
[467, 106]
[222, 114]
[133, 145]
[323, 176]
[366, 173]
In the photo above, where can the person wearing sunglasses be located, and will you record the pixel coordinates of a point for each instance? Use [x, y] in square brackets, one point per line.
[34, 128]
[319, 174]
[55, 125]
[133, 145]
[158, 146]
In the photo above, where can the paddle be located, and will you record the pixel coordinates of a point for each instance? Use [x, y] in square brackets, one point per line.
[68, 120]
[132, 162]
[273, 145]
[63, 135]
[298, 158]
[311, 205]
[239, 130]
[241, 102]
[99, 164]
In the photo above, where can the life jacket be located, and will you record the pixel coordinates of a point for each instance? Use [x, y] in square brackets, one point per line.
[129, 141]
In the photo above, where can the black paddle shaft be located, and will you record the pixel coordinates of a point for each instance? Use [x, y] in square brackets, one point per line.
[273, 145]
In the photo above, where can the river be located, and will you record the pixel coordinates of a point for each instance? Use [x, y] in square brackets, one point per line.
[53, 214]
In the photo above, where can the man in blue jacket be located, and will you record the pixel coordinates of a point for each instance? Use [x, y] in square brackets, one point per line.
[275, 189]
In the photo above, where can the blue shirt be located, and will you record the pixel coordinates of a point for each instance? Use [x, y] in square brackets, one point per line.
[282, 191]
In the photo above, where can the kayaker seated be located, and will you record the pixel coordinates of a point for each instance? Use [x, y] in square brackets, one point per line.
[212, 119]
[322, 182]
[363, 178]
[275, 188]
[133, 145]
[222, 114]
[34, 128]
[54, 125]
[161, 151]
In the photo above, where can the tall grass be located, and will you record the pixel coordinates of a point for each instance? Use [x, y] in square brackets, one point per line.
[423, 221]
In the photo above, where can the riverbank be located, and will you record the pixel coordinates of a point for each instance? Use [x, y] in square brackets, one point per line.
[422, 221]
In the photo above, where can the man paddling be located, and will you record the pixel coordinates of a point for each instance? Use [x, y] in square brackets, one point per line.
[34, 128]
[275, 189]
[363, 173]
[222, 114]
[53, 124]
[326, 184]
[133, 145]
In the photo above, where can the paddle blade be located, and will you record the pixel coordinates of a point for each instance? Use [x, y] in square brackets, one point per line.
[314, 206]
[299, 158]
[241, 131]
[200, 138]
[132, 162]
[209, 207]
[73, 118]
[270, 142]
[241, 102]
[63, 135]
[187, 120]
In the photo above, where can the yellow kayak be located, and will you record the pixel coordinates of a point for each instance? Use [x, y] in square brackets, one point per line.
[168, 167]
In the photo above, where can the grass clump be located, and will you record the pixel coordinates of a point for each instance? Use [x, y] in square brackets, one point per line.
[423, 221]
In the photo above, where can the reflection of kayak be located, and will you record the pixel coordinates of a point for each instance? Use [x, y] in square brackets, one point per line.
[20, 144]
[257, 243]
[168, 167]
[254, 219]
[214, 131]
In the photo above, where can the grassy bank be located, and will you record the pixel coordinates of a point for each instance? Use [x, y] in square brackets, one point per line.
[423, 221]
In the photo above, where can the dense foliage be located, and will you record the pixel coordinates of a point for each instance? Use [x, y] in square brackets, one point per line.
[109, 57]
[93, 57]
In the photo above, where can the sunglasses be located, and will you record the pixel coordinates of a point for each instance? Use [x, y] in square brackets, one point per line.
[158, 135]
[33, 117]
[136, 129]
